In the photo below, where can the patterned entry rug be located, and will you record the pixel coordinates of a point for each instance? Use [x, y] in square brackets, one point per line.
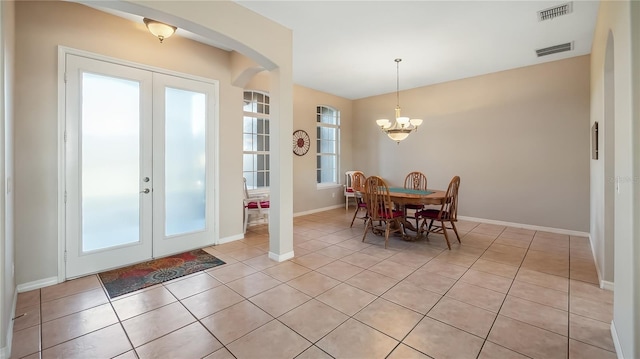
[128, 279]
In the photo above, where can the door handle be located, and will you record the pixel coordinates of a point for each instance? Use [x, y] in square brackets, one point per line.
[146, 190]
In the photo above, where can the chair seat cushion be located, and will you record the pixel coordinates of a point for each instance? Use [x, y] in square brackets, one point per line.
[349, 189]
[254, 205]
[432, 214]
[394, 214]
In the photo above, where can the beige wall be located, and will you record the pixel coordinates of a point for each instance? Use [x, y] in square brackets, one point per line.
[307, 197]
[519, 140]
[7, 278]
[41, 27]
[615, 18]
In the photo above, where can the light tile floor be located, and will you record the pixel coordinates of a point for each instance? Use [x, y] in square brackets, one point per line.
[502, 293]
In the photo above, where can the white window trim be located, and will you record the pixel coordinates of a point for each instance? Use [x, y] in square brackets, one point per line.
[267, 116]
[326, 185]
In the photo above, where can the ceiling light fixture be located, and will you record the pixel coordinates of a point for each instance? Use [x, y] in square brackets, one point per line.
[159, 29]
[403, 126]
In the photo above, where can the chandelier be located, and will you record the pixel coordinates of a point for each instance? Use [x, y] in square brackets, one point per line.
[402, 126]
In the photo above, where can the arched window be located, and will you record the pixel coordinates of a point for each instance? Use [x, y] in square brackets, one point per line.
[255, 141]
[328, 130]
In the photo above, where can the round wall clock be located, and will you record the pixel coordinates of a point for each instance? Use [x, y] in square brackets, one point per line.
[301, 142]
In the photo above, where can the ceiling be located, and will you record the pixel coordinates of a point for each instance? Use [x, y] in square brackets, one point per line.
[347, 48]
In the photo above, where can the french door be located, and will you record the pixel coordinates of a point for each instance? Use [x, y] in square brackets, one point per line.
[138, 165]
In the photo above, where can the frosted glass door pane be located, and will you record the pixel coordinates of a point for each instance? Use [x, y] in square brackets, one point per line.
[185, 161]
[110, 162]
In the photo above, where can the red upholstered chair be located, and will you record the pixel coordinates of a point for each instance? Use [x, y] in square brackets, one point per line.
[348, 187]
[448, 212]
[256, 205]
[415, 180]
[380, 209]
[357, 182]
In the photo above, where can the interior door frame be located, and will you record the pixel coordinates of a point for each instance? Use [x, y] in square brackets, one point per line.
[61, 144]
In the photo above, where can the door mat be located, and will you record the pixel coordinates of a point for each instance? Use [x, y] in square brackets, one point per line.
[128, 279]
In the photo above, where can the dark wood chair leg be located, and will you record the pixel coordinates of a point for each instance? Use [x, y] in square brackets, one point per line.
[366, 228]
[354, 215]
[453, 225]
[386, 234]
[444, 230]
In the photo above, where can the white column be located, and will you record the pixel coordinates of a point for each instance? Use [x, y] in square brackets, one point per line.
[281, 166]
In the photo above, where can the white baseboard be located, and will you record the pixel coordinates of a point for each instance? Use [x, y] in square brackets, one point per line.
[37, 284]
[605, 284]
[281, 257]
[595, 262]
[616, 341]
[298, 214]
[5, 352]
[526, 226]
[235, 237]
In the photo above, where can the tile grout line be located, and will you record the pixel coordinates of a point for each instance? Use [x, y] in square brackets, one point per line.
[505, 298]
[380, 297]
[400, 250]
[341, 282]
[111, 304]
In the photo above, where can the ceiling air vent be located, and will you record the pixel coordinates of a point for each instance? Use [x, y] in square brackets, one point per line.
[555, 49]
[552, 12]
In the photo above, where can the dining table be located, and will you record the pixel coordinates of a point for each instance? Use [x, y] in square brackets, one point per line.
[403, 196]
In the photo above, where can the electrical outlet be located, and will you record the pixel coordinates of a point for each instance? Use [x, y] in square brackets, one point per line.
[333, 195]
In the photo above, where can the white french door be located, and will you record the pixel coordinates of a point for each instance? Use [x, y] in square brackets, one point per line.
[138, 165]
[182, 164]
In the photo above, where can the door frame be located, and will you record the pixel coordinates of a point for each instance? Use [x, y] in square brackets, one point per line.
[61, 142]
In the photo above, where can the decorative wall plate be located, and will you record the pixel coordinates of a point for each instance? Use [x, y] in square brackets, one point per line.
[301, 142]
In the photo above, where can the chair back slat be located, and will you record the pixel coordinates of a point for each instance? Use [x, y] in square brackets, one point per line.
[376, 196]
[450, 205]
[246, 191]
[416, 180]
[348, 178]
[358, 179]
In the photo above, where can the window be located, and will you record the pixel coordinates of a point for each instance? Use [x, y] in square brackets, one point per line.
[328, 121]
[255, 161]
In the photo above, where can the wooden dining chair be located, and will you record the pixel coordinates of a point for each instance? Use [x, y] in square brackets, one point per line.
[357, 182]
[380, 209]
[254, 205]
[448, 213]
[348, 187]
[415, 180]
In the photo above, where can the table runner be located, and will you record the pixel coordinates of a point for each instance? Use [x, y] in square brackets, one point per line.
[409, 191]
